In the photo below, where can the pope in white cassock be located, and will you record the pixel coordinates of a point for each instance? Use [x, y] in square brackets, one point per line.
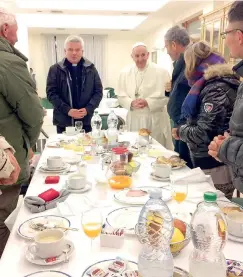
[141, 90]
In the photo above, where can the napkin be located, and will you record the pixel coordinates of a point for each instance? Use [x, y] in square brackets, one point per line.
[193, 176]
[36, 205]
[198, 183]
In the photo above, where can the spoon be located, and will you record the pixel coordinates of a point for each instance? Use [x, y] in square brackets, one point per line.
[65, 251]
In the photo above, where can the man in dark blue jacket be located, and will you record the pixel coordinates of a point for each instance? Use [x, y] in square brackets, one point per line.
[73, 87]
[176, 41]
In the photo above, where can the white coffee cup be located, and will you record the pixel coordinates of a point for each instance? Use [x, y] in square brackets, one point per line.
[54, 161]
[48, 243]
[161, 170]
[70, 130]
[77, 181]
[235, 223]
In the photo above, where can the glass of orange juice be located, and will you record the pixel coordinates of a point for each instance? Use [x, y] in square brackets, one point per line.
[179, 193]
[92, 224]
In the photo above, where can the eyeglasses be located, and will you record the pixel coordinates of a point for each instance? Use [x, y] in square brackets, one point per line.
[223, 34]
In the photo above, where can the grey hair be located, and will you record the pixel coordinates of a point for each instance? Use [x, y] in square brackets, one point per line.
[6, 17]
[179, 35]
[74, 39]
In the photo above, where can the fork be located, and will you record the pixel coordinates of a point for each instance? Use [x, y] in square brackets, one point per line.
[41, 227]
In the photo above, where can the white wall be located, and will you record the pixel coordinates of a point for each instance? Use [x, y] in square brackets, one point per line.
[118, 50]
[36, 54]
[156, 38]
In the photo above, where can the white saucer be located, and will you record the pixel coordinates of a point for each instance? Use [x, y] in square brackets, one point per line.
[234, 238]
[157, 178]
[44, 168]
[71, 134]
[87, 187]
[39, 261]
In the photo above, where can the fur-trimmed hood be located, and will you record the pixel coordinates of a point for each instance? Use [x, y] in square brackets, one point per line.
[219, 70]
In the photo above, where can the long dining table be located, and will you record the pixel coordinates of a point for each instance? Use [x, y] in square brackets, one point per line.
[14, 263]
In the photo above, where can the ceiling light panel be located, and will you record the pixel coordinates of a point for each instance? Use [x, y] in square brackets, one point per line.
[93, 5]
[80, 21]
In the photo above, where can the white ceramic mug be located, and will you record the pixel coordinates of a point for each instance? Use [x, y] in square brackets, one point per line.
[48, 243]
[235, 223]
[77, 181]
[161, 170]
[70, 130]
[54, 162]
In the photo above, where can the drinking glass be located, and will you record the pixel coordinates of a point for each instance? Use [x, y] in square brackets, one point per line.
[79, 125]
[92, 224]
[179, 194]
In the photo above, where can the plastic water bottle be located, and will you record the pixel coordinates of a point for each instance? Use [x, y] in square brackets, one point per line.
[112, 120]
[154, 229]
[209, 235]
[96, 124]
[112, 133]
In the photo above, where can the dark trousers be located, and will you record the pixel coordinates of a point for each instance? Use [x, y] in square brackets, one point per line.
[60, 129]
[182, 149]
[8, 202]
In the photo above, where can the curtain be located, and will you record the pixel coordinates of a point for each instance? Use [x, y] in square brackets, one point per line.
[94, 50]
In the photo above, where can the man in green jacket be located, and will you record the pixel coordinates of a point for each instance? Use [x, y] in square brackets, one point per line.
[21, 114]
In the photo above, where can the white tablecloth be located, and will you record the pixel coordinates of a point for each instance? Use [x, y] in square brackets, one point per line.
[14, 263]
[50, 129]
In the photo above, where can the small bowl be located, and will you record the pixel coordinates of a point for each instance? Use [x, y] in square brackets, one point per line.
[120, 182]
[135, 166]
[121, 168]
[177, 247]
[235, 223]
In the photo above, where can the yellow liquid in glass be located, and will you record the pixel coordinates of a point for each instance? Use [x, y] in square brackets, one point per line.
[78, 148]
[92, 229]
[69, 147]
[179, 196]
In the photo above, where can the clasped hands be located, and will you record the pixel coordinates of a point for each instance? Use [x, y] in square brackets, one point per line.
[139, 103]
[77, 114]
[215, 145]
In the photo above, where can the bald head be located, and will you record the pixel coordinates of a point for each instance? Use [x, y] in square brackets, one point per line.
[8, 26]
[140, 55]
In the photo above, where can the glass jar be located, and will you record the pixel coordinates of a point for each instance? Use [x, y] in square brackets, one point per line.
[120, 154]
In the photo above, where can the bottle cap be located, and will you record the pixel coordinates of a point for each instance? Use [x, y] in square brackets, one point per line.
[119, 150]
[155, 194]
[210, 196]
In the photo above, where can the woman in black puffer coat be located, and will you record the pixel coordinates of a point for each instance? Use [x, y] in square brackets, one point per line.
[207, 109]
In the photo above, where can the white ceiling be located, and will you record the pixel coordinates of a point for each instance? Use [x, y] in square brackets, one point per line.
[109, 16]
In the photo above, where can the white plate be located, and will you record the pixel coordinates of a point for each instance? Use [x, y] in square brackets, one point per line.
[234, 238]
[26, 232]
[178, 167]
[157, 178]
[87, 187]
[104, 264]
[49, 273]
[54, 144]
[125, 218]
[72, 160]
[44, 168]
[130, 266]
[39, 261]
[121, 196]
[62, 167]
[71, 134]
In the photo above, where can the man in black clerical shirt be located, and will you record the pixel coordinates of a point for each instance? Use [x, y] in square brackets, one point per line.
[73, 87]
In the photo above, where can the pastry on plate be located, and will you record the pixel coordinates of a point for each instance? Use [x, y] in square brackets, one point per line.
[144, 132]
[173, 161]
